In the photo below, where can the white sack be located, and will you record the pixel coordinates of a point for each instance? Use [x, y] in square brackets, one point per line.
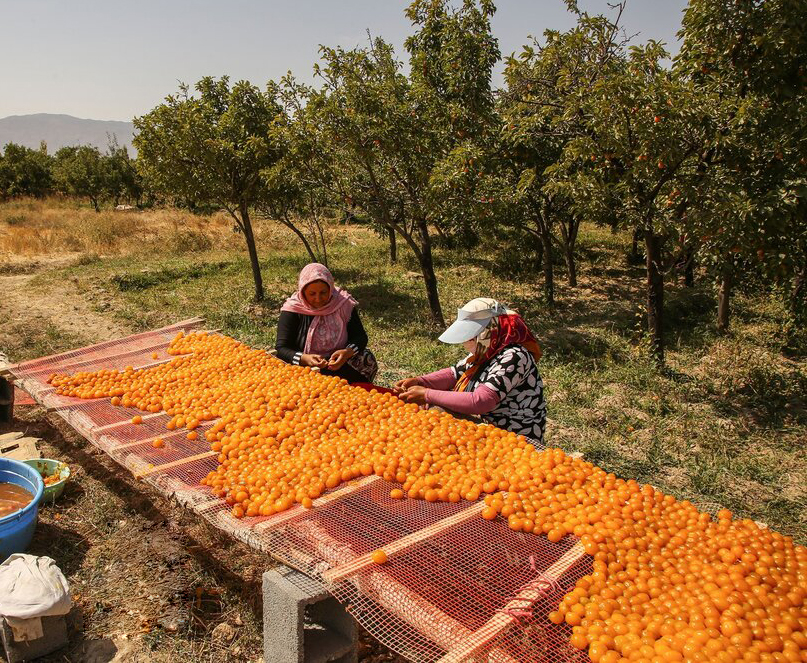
[32, 586]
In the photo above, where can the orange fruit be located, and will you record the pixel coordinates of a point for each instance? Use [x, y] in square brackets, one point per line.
[666, 582]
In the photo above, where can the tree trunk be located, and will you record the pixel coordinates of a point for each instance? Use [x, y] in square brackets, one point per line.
[539, 254]
[429, 277]
[798, 295]
[724, 298]
[689, 269]
[549, 277]
[286, 222]
[324, 245]
[442, 234]
[571, 267]
[798, 292]
[253, 252]
[315, 227]
[634, 246]
[568, 230]
[393, 246]
[655, 296]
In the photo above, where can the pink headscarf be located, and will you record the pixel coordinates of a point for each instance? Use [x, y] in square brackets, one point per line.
[328, 330]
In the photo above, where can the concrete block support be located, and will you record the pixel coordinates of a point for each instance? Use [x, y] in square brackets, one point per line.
[302, 623]
[54, 636]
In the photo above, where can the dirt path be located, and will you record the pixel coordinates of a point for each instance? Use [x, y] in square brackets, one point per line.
[59, 308]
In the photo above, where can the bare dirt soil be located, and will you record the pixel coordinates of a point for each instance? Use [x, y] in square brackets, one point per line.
[59, 307]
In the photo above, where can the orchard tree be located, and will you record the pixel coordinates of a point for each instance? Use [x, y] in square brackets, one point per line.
[379, 141]
[359, 139]
[641, 141]
[543, 83]
[451, 59]
[291, 195]
[81, 171]
[749, 208]
[24, 172]
[122, 178]
[211, 148]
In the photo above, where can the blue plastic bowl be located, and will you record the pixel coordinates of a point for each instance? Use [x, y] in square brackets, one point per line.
[17, 529]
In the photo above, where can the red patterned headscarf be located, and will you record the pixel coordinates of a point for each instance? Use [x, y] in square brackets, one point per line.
[502, 331]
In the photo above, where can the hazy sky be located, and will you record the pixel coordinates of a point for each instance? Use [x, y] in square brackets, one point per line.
[114, 59]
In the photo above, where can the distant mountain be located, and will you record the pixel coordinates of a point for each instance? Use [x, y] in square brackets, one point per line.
[63, 130]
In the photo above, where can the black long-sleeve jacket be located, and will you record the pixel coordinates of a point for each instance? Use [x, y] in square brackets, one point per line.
[292, 330]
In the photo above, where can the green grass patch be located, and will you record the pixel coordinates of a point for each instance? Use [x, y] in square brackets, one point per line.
[29, 341]
[148, 279]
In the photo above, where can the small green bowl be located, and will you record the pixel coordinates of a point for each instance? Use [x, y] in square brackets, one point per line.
[48, 467]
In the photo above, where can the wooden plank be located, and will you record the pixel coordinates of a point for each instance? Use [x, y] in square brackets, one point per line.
[502, 619]
[175, 463]
[169, 434]
[178, 326]
[70, 368]
[364, 561]
[56, 408]
[24, 385]
[422, 614]
[128, 421]
[128, 445]
[120, 355]
[352, 487]
[400, 600]
[157, 362]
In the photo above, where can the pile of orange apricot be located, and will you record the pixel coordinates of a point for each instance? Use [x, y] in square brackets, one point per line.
[669, 583]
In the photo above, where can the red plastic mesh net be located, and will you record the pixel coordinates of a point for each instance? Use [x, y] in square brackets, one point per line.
[456, 587]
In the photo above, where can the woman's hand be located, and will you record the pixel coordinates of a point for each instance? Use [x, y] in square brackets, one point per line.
[414, 394]
[339, 358]
[402, 385]
[315, 361]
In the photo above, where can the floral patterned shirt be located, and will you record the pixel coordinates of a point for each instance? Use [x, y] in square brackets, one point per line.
[513, 375]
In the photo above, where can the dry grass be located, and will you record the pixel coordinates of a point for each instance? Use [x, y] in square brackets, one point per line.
[40, 227]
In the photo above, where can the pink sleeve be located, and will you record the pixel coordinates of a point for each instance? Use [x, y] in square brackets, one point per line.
[442, 379]
[479, 401]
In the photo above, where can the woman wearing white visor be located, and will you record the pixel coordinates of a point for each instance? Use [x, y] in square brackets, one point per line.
[498, 380]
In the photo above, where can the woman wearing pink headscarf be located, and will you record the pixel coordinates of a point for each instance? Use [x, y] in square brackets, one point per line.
[319, 326]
